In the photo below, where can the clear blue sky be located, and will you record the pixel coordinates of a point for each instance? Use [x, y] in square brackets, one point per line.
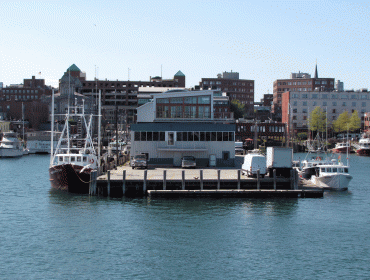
[262, 41]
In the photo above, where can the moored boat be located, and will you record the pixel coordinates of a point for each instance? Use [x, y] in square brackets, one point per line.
[342, 148]
[10, 145]
[363, 147]
[75, 156]
[332, 177]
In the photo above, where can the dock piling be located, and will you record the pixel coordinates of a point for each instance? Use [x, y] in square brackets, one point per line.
[239, 171]
[164, 179]
[124, 182]
[183, 180]
[274, 175]
[258, 180]
[145, 181]
[218, 179]
[108, 183]
[201, 178]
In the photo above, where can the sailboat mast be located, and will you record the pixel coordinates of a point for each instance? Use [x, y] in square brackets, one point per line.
[52, 129]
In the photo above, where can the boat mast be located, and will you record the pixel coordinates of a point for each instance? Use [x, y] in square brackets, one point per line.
[99, 128]
[52, 129]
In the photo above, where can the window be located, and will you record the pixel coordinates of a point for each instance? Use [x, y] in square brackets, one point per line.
[219, 136]
[304, 95]
[304, 103]
[353, 104]
[204, 100]
[333, 111]
[295, 110]
[171, 138]
[344, 104]
[314, 96]
[334, 103]
[324, 96]
[363, 104]
[295, 103]
[324, 103]
[304, 110]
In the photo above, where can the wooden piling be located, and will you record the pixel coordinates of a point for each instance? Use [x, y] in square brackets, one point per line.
[183, 180]
[108, 191]
[218, 178]
[124, 182]
[201, 178]
[239, 171]
[274, 174]
[164, 179]
[258, 180]
[145, 181]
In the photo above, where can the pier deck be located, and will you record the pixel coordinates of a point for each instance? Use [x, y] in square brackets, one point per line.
[177, 182]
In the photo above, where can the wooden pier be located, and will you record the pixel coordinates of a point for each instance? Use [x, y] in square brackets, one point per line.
[174, 182]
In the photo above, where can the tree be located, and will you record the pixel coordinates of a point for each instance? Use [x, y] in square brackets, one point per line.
[317, 120]
[354, 121]
[237, 108]
[342, 123]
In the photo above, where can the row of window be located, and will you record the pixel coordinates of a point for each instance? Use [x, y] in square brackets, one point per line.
[185, 136]
[330, 96]
[187, 112]
[20, 91]
[260, 128]
[23, 97]
[186, 100]
[317, 82]
[334, 103]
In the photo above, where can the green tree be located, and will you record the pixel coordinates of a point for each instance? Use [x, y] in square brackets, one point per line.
[342, 123]
[237, 108]
[317, 120]
[354, 121]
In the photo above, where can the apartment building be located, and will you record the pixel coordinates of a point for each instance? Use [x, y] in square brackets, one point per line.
[298, 82]
[237, 89]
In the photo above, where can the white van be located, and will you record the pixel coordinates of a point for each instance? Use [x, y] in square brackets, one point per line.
[253, 162]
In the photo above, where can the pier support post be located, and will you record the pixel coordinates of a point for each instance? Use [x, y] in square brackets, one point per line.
[239, 171]
[258, 180]
[218, 178]
[183, 180]
[296, 179]
[124, 183]
[108, 190]
[145, 182]
[274, 175]
[92, 184]
[201, 178]
[291, 179]
[164, 179]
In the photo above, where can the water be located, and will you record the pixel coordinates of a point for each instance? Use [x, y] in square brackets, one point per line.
[51, 235]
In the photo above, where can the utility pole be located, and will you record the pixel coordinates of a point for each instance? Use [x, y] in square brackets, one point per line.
[116, 129]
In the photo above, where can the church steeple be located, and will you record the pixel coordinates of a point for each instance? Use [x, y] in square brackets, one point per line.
[316, 75]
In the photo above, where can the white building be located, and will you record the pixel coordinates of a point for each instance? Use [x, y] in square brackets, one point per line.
[181, 123]
[297, 106]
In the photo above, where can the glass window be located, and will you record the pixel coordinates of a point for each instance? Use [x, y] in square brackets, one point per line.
[208, 136]
[191, 100]
[149, 136]
[324, 103]
[79, 159]
[143, 136]
[155, 136]
[204, 100]
[225, 136]
[196, 136]
[179, 136]
[202, 136]
[137, 136]
[171, 138]
[334, 103]
[335, 169]
[314, 96]
[231, 136]
[304, 95]
[73, 159]
[190, 136]
[213, 136]
[163, 100]
[304, 103]
[84, 159]
[219, 136]
[363, 104]
[161, 136]
[176, 100]
[324, 96]
[60, 158]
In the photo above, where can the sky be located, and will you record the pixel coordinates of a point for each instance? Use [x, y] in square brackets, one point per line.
[262, 40]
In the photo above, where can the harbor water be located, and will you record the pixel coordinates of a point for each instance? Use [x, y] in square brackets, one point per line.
[46, 234]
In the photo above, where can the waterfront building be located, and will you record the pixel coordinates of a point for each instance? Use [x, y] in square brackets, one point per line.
[298, 82]
[181, 123]
[32, 94]
[297, 106]
[235, 88]
[120, 95]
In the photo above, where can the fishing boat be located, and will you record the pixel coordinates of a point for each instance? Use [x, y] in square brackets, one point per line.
[75, 156]
[332, 177]
[363, 146]
[342, 148]
[10, 145]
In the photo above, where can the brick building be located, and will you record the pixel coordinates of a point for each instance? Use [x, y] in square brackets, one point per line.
[120, 95]
[299, 82]
[235, 88]
[32, 93]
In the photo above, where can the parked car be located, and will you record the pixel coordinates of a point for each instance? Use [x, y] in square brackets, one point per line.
[188, 161]
[139, 161]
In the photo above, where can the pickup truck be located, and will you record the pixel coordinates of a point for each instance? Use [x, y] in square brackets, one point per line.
[139, 161]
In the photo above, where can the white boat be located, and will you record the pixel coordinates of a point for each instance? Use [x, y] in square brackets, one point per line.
[332, 177]
[71, 166]
[10, 145]
[363, 146]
